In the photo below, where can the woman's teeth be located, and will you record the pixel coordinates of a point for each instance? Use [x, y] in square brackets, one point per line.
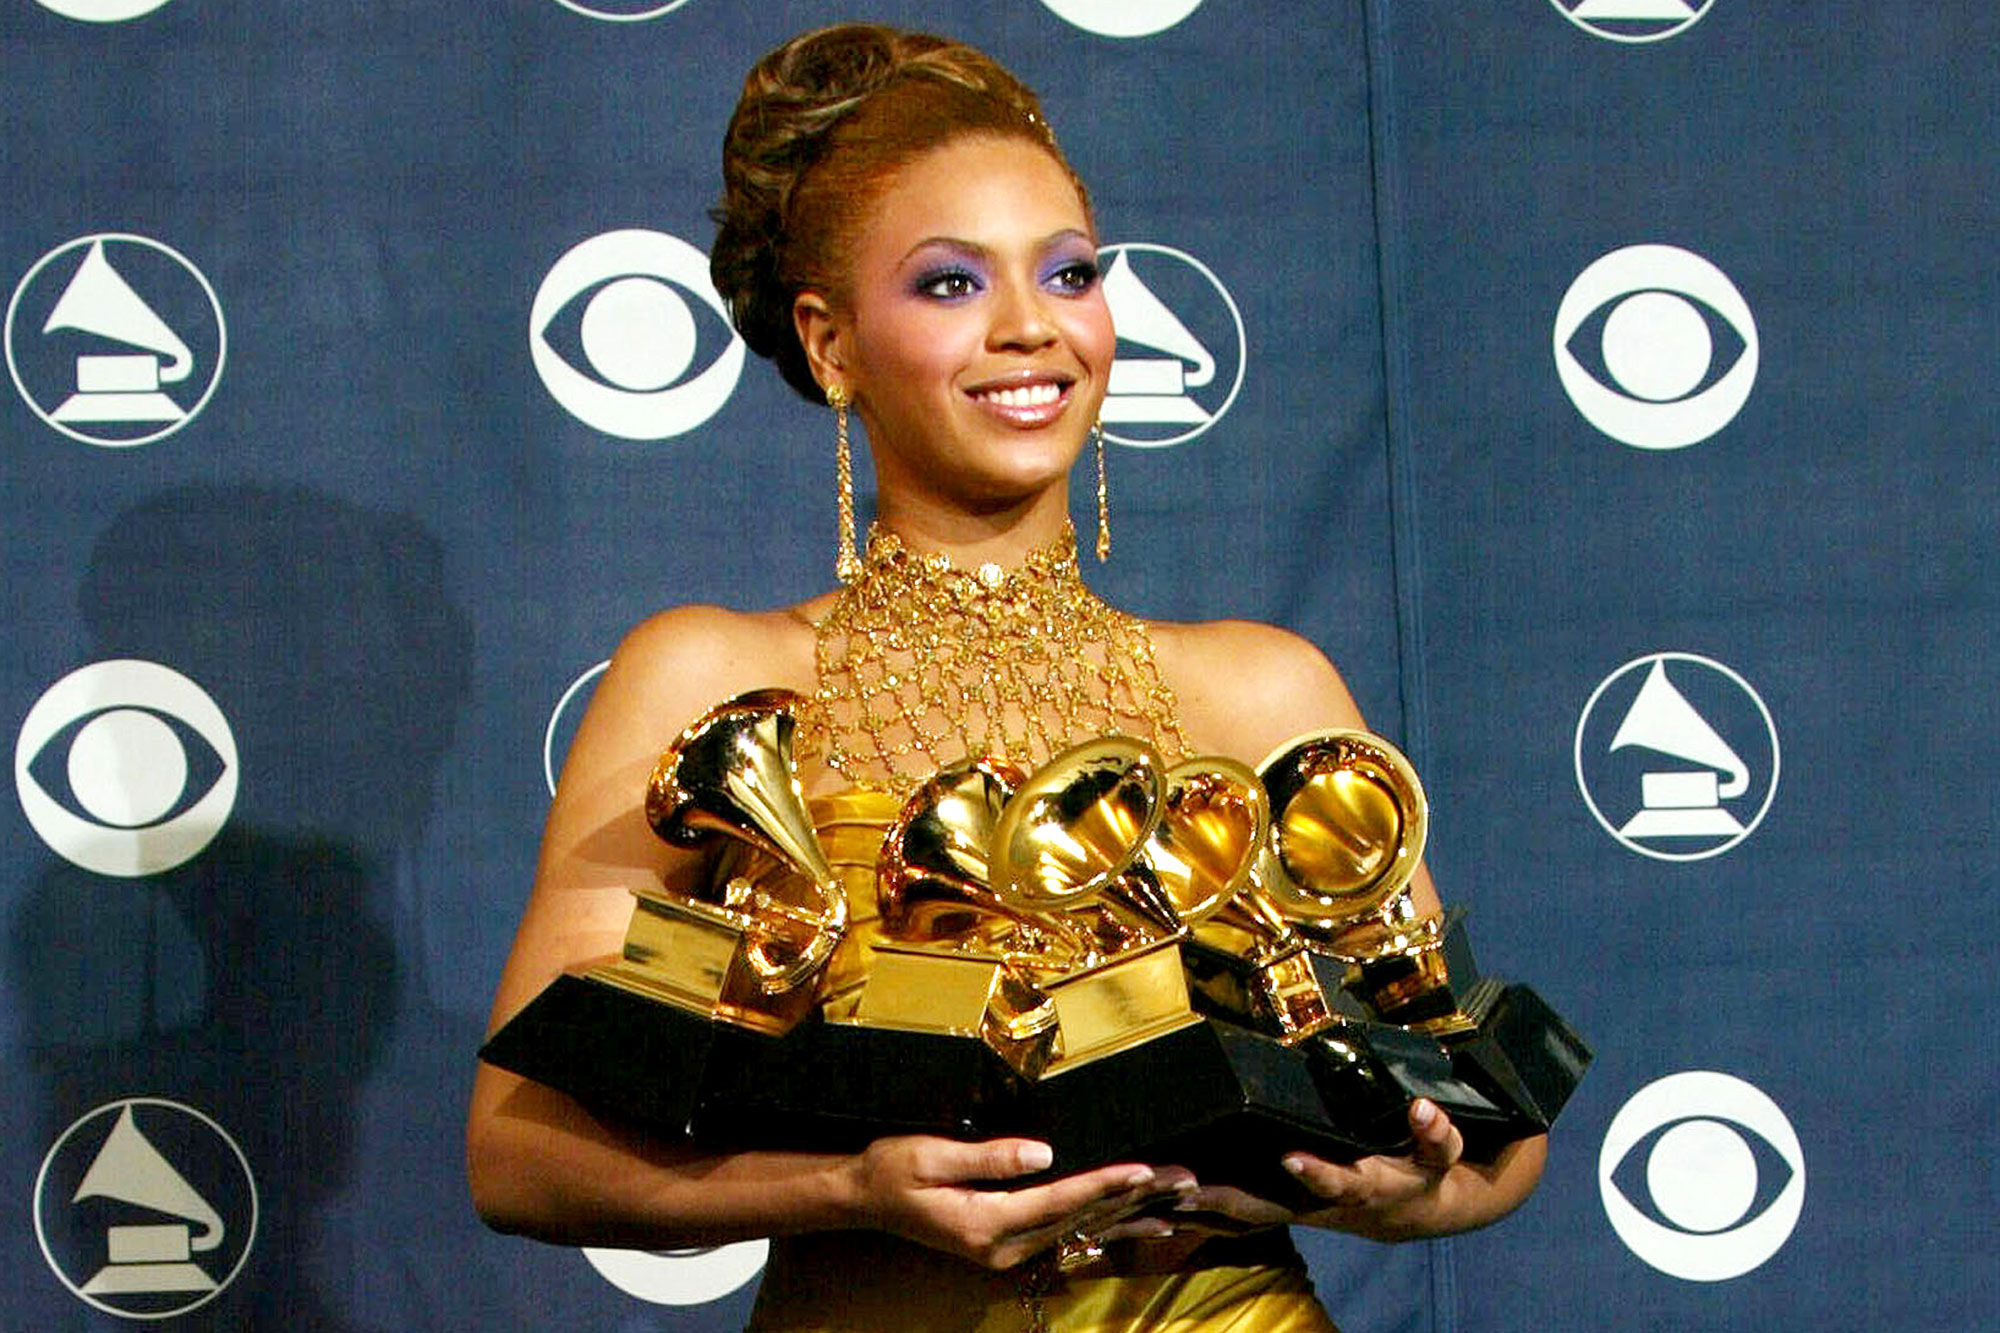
[1032, 395]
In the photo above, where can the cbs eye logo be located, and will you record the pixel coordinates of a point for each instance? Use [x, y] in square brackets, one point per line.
[617, 341]
[681, 1277]
[126, 768]
[1656, 347]
[1633, 20]
[563, 722]
[1123, 18]
[102, 11]
[1702, 1176]
[612, 11]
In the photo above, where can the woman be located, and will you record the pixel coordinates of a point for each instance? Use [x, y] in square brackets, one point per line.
[902, 236]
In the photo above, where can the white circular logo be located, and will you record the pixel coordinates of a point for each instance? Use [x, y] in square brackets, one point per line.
[101, 11]
[115, 340]
[126, 768]
[1656, 347]
[561, 730]
[1676, 756]
[1180, 355]
[1702, 1176]
[681, 1277]
[1123, 18]
[616, 340]
[612, 11]
[1633, 20]
[146, 1208]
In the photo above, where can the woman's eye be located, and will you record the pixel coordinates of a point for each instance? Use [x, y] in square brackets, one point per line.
[949, 284]
[1078, 277]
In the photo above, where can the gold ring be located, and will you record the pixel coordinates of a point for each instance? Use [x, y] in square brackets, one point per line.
[1076, 1251]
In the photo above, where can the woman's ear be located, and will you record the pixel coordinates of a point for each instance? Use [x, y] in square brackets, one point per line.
[820, 335]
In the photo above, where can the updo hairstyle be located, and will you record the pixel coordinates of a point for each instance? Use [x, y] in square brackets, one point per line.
[823, 122]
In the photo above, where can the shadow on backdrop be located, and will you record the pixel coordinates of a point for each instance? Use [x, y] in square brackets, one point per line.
[260, 983]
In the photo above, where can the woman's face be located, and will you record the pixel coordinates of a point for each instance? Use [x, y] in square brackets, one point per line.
[974, 334]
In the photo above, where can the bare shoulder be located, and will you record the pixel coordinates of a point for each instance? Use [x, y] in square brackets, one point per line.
[673, 665]
[1245, 687]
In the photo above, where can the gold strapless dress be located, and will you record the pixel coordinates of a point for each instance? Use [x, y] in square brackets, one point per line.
[869, 1282]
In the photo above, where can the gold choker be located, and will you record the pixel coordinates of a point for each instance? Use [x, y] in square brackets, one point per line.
[922, 664]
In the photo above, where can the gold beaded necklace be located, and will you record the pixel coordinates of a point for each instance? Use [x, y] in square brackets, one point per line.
[922, 664]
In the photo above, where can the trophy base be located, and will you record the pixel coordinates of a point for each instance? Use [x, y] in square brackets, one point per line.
[1225, 1102]
[837, 1086]
[823, 1086]
[619, 1053]
[1525, 1060]
[1502, 1069]
[1509, 1062]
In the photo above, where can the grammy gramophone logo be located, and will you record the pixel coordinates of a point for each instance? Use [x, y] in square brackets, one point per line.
[115, 340]
[145, 1208]
[1677, 756]
[1180, 345]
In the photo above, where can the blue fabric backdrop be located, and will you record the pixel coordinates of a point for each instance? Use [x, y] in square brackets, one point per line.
[1607, 386]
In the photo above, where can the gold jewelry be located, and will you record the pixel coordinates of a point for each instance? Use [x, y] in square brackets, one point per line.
[1103, 497]
[1077, 1250]
[922, 664]
[846, 565]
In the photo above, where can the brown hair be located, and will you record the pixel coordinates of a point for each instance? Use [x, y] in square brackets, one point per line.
[822, 123]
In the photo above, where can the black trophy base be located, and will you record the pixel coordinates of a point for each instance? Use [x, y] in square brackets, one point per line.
[621, 1055]
[835, 1087]
[1501, 1076]
[1524, 1060]
[819, 1087]
[1223, 1101]
[1503, 1079]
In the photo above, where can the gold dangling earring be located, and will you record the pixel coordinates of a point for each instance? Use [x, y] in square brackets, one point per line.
[846, 564]
[1103, 497]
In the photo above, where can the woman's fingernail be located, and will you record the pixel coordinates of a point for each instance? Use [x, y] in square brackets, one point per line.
[1296, 1165]
[1037, 1157]
[1423, 1112]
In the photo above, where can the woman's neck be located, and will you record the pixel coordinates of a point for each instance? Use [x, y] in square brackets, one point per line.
[1001, 537]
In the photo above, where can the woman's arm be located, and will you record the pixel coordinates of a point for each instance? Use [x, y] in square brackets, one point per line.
[539, 1164]
[1246, 689]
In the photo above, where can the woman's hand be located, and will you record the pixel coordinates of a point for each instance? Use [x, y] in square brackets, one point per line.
[1430, 1191]
[929, 1190]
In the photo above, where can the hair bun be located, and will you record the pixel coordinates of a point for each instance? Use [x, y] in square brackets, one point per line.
[822, 121]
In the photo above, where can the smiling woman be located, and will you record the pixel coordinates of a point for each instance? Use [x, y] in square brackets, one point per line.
[902, 236]
[972, 335]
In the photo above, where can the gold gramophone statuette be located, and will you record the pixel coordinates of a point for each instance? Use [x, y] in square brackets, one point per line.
[1348, 832]
[954, 957]
[1069, 846]
[751, 950]
[1212, 853]
[1020, 908]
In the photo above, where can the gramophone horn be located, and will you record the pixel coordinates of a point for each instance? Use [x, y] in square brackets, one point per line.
[730, 774]
[1348, 824]
[936, 850]
[1076, 826]
[1214, 825]
[933, 880]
